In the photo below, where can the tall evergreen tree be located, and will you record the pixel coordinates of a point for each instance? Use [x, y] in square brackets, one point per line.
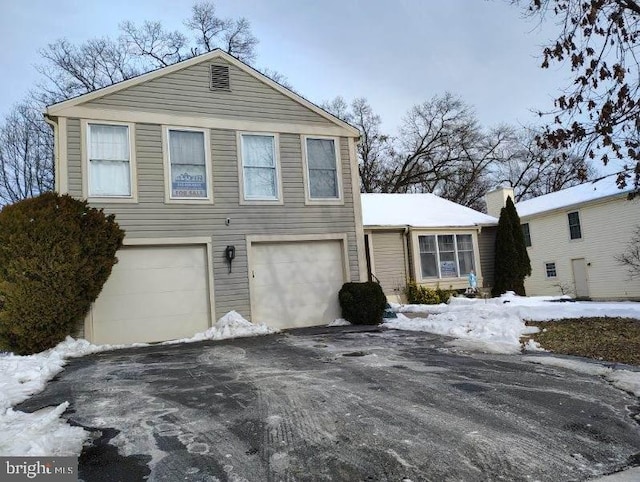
[523, 261]
[512, 264]
[506, 256]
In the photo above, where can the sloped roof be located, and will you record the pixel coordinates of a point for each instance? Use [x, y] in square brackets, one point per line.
[54, 109]
[420, 211]
[586, 192]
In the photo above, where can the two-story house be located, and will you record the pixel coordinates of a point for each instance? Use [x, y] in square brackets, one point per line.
[574, 237]
[235, 193]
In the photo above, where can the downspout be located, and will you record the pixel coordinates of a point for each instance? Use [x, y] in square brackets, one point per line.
[407, 254]
[56, 155]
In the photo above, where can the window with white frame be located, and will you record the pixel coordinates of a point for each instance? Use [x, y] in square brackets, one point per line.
[259, 167]
[550, 270]
[109, 159]
[187, 164]
[574, 225]
[322, 168]
[446, 255]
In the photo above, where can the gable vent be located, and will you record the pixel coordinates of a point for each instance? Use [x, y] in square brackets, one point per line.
[219, 77]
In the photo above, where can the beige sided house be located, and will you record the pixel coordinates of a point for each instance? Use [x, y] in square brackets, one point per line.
[203, 161]
[428, 239]
[573, 237]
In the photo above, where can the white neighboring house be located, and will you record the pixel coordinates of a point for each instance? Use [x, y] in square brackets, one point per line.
[573, 237]
[426, 238]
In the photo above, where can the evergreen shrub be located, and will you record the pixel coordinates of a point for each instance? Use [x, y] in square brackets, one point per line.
[56, 253]
[362, 303]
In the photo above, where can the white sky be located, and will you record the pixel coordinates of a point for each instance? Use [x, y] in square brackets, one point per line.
[396, 53]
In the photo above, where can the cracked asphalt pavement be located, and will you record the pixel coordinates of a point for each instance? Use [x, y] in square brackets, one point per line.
[340, 404]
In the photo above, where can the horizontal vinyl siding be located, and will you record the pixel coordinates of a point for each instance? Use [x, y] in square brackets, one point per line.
[186, 92]
[74, 156]
[152, 218]
[389, 262]
[487, 249]
[606, 229]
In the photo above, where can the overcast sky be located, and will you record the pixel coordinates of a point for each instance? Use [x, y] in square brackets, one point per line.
[396, 53]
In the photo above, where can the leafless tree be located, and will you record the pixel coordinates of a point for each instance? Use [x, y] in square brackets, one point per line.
[374, 146]
[532, 171]
[152, 45]
[26, 154]
[630, 257]
[599, 113]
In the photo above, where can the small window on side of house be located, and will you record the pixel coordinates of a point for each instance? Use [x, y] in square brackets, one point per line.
[321, 158]
[259, 167]
[527, 235]
[550, 270]
[575, 232]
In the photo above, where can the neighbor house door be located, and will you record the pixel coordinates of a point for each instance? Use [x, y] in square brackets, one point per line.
[579, 267]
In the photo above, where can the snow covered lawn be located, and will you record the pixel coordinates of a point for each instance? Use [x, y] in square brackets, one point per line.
[44, 432]
[496, 325]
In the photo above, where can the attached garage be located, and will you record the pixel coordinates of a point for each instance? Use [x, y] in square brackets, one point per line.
[296, 283]
[154, 293]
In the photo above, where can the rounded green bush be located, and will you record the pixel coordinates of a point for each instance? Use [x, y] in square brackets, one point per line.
[56, 253]
[362, 303]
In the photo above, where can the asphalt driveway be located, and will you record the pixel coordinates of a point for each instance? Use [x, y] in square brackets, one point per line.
[335, 404]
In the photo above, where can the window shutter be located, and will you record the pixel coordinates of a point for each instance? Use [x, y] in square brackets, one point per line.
[219, 79]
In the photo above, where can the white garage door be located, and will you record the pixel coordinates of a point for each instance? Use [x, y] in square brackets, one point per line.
[296, 284]
[153, 294]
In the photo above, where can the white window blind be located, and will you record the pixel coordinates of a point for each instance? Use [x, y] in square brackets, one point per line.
[188, 164]
[259, 167]
[109, 163]
[322, 169]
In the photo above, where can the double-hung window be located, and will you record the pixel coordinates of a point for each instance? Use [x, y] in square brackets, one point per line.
[322, 169]
[550, 269]
[446, 255]
[574, 225]
[188, 165]
[259, 167]
[109, 161]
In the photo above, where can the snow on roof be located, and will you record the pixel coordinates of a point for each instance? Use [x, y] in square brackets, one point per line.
[588, 191]
[419, 210]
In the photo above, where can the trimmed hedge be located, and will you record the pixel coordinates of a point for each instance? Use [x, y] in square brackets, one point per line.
[56, 253]
[421, 295]
[362, 303]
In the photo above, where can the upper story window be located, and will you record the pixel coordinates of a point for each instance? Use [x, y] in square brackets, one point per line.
[574, 225]
[322, 169]
[527, 234]
[188, 164]
[259, 167]
[109, 161]
[446, 255]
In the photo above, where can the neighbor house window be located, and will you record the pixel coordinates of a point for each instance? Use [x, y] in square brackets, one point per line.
[322, 168]
[527, 234]
[446, 255]
[109, 158]
[574, 225]
[188, 164]
[259, 167]
[550, 270]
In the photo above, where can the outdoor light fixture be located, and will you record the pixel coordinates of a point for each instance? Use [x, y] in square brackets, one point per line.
[230, 254]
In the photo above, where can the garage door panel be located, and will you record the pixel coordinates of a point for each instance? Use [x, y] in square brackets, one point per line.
[154, 293]
[157, 280]
[296, 284]
[293, 274]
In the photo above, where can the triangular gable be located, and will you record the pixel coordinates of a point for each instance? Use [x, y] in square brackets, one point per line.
[99, 95]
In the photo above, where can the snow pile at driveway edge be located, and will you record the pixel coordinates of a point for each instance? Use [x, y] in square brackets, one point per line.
[231, 325]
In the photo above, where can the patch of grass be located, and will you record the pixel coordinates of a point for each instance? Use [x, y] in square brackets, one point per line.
[610, 339]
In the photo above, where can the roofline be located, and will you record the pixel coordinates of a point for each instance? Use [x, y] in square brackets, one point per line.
[411, 226]
[54, 109]
[559, 209]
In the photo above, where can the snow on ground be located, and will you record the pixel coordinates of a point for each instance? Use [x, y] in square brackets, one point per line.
[44, 432]
[339, 322]
[496, 325]
[231, 325]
